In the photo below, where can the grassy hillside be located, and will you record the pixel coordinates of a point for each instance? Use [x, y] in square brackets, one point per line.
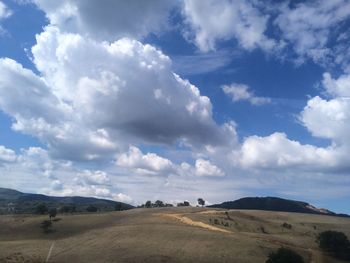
[166, 235]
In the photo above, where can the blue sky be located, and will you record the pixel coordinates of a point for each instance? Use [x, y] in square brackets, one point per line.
[176, 100]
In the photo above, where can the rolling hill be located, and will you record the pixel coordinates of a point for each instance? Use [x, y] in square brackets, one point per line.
[166, 235]
[275, 204]
[14, 201]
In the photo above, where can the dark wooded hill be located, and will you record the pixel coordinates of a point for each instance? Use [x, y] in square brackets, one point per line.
[275, 204]
[14, 201]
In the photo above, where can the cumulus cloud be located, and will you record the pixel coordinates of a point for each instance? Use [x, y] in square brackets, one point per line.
[241, 92]
[94, 177]
[206, 168]
[328, 119]
[276, 151]
[323, 118]
[149, 163]
[211, 22]
[310, 26]
[7, 155]
[108, 20]
[33, 170]
[337, 87]
[85, 92]
[5, 12]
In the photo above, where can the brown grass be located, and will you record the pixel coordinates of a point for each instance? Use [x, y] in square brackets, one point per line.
[165, 235]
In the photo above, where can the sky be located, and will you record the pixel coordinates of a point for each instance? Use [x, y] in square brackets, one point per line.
[176, 100]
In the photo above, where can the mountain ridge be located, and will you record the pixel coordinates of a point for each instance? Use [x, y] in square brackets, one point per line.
[25, 202]
[275, 204]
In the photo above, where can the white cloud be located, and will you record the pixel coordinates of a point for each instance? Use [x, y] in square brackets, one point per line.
[150, 162]
[7, 155]
[206, 168]
[241, 92]
[337, 87]
[328, 119]
[108, 20]
[276, 151]
[94, 177]
[213, 21]
[85, 92]
[5, 12]
[310, 26]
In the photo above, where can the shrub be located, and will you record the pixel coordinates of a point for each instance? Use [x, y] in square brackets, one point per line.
[46, 225]
[336, 243]
[52, 213]
[201, 202]
[91, 208]
[284, 255]
[41, 209]
[159, 203]
[286, 225]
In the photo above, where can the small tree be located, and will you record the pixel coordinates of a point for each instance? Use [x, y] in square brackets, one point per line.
[284, 255]
[159, 203]
[148, 204]
[52, 213]
[41, 209]
[336, 243]
[201, 202]
[186, 203]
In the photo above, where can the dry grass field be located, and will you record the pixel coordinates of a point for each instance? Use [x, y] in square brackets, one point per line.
[165, 235]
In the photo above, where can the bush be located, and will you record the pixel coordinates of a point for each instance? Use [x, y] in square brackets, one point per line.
[286, 225]
[41, 209]
[46, 225]
[284, 255]
[335, 243]
[91, 208]
[52, 213]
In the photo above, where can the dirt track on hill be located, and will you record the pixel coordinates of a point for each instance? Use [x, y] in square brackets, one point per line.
[188, 221]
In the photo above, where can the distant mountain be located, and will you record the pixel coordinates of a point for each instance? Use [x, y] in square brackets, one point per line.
[12, 201]
[274, 204]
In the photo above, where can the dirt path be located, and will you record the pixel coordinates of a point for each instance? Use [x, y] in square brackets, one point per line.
[185, 220]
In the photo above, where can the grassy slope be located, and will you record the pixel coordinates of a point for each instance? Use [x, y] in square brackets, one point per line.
[146, 235]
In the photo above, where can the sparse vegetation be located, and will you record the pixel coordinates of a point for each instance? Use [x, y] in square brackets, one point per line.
[284, 255]
[263, 230]
[336, 243]
[146, 229]
[228, 216]
[185, 203]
